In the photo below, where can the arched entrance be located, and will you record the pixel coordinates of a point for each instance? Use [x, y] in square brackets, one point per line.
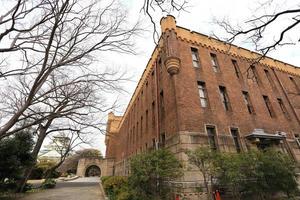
[92, 170]
[105, 166]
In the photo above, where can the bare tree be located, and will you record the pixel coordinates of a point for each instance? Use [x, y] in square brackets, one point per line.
[15, 23]
[67, 104]
[259, 28]
[27, 21]
[66, 41]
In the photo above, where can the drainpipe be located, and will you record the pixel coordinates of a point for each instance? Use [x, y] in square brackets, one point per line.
[293, 110]
[286, 96]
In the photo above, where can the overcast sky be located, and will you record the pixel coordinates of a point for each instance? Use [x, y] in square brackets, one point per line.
[199, 17]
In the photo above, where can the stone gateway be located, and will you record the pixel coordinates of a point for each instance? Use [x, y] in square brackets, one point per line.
[94, 167]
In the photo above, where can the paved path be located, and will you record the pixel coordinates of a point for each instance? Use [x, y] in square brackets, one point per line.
[79, 189]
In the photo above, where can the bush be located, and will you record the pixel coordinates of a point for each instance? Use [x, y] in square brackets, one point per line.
[104, 178]
[15, 156]
[8, 185]
[49, 183]
[150, 169]
[27, 187]
[55, 174]
[147, 170]
[36, 173]
[252, 174]
[116, 187]
[41, 169]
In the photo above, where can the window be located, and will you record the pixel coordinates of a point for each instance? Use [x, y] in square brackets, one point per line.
[195, 57]
[269, 106]
[214, 62]
[295, 84]
[141, 126]
[153, 143]
[159, 64]
[254, 74]
[236, 68]
[202, 94]
[147, 118]
[297, 138]
[235, 136]
[152, 83]
[163, 139]
[211, 132]
[133, 135]
[248, 102]
[129, 137]
[137, 131]
[224, 98]
[282, 107]
[153, 114]
[268, 75]
[162, 105]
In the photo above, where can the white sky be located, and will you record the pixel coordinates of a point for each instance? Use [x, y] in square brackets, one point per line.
[199, 18]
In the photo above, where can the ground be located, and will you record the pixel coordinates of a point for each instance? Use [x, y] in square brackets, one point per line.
[79, 189]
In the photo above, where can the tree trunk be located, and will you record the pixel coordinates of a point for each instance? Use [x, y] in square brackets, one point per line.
[206, 185]
[35, 152]
[13, 120]
[52, 169]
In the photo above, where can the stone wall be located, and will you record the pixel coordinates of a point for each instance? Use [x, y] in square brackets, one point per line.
[105, 165]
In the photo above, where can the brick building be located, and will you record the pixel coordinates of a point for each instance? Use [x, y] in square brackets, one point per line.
[197, 90]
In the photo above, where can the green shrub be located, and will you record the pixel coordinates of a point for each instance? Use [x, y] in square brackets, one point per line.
[116, 187]
[55, 174]
[49, 183]
[15, 156]
[27, 187]
[42, 168]
[248, 175]
[36, 173]
[104, 178]
[8, 185]
[148, 170]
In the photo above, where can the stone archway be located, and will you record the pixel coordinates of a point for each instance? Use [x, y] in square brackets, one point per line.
[105, 166]
[92, 170]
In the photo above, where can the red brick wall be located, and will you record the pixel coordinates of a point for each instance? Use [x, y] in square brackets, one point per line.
[182, 104]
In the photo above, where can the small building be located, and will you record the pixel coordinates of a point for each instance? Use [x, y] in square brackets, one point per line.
[197, 90]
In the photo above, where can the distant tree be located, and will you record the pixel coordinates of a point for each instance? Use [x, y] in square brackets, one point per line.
[15, 155]
[151, 174]
[90, 153]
